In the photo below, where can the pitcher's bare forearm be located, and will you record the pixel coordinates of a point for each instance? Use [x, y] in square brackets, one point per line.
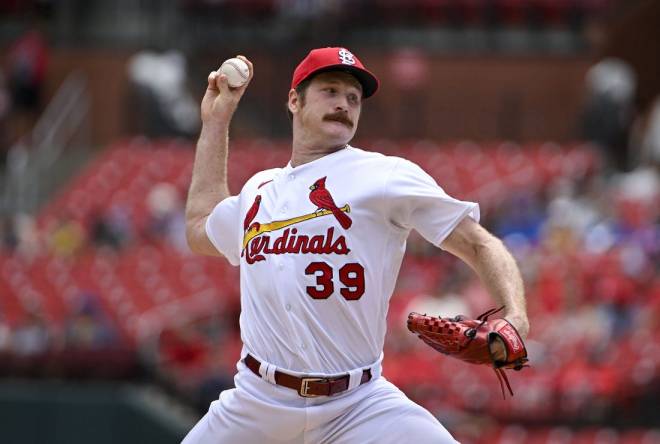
[209, 176]
[208, 185]
[499, 273]
[495, 266]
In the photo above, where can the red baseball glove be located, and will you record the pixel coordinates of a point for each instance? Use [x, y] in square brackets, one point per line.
[470, 340]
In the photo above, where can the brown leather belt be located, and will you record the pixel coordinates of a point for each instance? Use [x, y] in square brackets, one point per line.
[308, 387]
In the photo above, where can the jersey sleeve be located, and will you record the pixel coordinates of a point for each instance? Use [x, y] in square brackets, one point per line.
[415, 201]
[222, 229]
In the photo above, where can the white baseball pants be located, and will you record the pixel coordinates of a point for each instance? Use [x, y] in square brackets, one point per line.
[258, 412]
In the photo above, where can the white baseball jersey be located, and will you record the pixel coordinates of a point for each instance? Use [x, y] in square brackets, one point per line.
[320, 247]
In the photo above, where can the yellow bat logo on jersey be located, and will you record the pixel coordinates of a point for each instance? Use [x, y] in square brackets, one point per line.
[257, 229]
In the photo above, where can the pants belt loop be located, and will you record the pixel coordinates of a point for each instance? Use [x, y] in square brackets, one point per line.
[377, 367]
[355, 378]
[262, 369]
[267, 372]
[270, 373]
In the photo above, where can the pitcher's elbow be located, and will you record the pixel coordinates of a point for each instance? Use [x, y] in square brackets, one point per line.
[194, 229]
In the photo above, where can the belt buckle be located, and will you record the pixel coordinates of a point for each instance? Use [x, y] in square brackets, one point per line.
[304, 386]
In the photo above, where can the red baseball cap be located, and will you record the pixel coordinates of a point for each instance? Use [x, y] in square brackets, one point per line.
[335, 59]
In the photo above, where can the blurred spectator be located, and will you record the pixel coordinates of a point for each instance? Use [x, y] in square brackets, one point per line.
[569, 213]
[164, 105]
[112, 229]
[87, 326]
[27, 235]
[198, 357]
[19, 234]
[184, 352]
[8, 238]
[637, 203]
[67, 237]
[646, 137]
[521, 215]
[166, 216]
[215, 380]
[31, 337]
[27, 62]
[609, 110]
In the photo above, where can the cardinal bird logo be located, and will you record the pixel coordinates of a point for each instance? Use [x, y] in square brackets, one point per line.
[251, 214]
[321, 197]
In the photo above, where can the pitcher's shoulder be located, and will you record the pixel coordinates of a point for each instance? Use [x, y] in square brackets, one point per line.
[376, 158]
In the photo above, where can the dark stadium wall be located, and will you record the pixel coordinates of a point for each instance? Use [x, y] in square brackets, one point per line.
[634, 35]
[38, 412]
[106, 75]
[480, 98]
[519, 99]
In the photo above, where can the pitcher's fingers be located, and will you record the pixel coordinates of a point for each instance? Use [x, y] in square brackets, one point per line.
[249, 64]
[212, 80]
[222, 82]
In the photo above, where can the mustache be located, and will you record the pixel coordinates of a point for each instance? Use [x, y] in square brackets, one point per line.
[339, 117]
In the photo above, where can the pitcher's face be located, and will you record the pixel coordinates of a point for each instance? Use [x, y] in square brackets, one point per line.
[331, 108]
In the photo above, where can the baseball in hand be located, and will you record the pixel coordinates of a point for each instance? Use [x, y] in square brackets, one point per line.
[236, 70]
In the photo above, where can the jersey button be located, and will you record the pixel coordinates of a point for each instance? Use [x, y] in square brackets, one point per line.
[288, 307]
[303, 346]
[292, 177]
[283, 210]
[280, 265]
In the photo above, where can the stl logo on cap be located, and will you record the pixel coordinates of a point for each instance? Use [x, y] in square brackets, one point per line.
[346, 57]
[335, 58]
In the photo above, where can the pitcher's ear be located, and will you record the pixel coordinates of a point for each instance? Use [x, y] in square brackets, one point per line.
[294, 101]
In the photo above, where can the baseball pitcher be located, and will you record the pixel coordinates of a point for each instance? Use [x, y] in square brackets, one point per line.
[319, 243]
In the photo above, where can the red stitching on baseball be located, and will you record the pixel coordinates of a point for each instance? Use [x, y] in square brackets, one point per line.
[238, 69]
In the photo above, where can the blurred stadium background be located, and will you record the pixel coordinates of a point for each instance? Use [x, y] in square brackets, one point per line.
[546, 112]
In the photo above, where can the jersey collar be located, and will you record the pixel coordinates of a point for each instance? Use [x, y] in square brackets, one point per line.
[288, 168]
